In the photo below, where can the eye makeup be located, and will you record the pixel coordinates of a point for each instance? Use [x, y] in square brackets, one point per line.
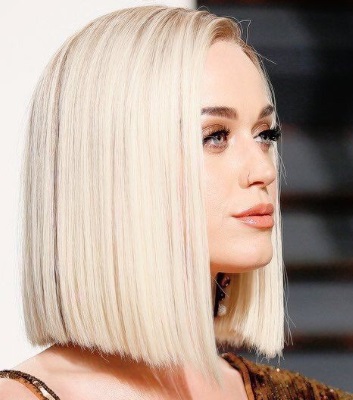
[268, 136]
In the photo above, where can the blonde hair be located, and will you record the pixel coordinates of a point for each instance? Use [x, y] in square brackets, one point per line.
[115, 254]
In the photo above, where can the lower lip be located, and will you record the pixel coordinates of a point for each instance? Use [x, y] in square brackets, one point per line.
[258, 221]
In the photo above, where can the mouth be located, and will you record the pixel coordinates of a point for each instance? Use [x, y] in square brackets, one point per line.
[259, 216]
[258, 209]
[258, 221]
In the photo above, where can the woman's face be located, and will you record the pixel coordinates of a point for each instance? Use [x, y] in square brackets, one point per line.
[239, 170]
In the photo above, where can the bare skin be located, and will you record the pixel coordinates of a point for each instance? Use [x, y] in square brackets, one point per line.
[239, 170]
[77, 373]
[238, 176]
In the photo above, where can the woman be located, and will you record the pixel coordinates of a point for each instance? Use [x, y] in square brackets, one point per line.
[152, 131]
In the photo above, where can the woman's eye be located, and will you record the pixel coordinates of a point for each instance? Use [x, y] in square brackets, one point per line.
[270, 136]
[216, 139]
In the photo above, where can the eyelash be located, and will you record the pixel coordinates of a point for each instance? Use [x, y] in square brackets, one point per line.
[271, 136]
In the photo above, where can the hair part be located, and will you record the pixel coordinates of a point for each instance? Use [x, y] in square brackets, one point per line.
[114, 244]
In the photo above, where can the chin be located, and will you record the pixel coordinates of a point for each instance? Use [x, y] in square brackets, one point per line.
[243, 264]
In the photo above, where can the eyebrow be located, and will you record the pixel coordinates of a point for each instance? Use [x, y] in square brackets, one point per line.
[230, 112]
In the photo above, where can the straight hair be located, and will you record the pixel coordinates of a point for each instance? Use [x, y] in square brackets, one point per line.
[115, 254]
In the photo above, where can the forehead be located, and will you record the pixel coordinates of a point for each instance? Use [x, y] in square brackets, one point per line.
[231, 79]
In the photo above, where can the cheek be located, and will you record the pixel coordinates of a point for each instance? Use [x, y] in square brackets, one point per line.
[217, 189]
[272, 191]
[233, 247]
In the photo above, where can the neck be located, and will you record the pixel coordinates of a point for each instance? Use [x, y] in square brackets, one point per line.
[138, 374]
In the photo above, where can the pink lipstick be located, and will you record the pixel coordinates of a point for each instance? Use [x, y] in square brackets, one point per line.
[259, 216]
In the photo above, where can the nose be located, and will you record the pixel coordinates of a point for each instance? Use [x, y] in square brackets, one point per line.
[259, 166]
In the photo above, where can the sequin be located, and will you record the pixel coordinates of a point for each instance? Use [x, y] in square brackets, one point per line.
[269, 383]
[35, 385]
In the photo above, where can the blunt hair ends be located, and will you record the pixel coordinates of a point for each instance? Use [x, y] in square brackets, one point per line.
[114, 241]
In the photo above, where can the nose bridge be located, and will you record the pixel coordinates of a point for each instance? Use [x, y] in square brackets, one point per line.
[257, 166]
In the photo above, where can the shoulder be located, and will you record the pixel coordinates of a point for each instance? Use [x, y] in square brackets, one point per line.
[17, 384]
[11, 389]
[294, 382]
[268, 380]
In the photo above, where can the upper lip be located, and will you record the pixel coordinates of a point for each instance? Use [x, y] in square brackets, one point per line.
[258, 209]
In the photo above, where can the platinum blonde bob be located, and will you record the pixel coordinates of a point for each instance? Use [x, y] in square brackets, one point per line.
[114, 247]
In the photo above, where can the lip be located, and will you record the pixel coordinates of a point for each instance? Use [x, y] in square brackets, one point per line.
[259, 209]
[258, 221]
[259, 216]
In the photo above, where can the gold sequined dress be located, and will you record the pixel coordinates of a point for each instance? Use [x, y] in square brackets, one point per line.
[262, 382]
